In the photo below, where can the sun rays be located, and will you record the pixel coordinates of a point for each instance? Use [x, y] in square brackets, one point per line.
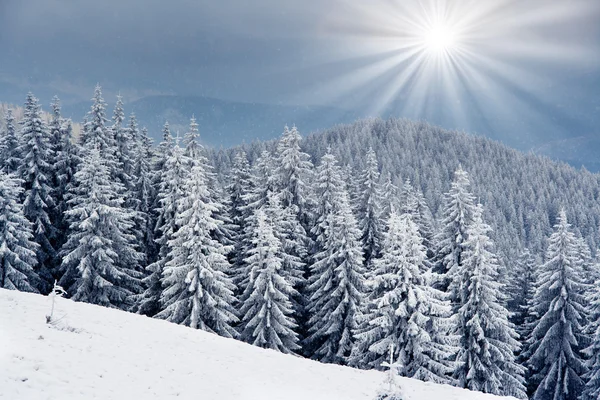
[447, 61]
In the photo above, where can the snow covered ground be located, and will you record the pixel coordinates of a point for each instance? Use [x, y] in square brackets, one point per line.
[99, 353]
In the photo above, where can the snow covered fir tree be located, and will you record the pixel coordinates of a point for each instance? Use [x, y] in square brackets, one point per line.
[452, 250]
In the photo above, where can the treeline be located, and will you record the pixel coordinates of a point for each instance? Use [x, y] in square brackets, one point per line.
[523, 193]
[334, 262]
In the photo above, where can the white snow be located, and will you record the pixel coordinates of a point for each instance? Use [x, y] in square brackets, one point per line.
[100, 353]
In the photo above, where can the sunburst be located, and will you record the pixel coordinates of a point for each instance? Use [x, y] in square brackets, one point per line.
[449, 61]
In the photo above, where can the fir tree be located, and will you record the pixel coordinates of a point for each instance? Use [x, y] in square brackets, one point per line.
[587, 265]
[555, 346]
[592, 377]
[193, 149]
[390, 196]
[406, 313]
[100, 259]
[413, 202]
[267, 311]
[36, 171]
[163, 151]
[142, 196]
[170, 192]
[286, 228]
[64, 165]
[55, 125]
[68, 157]
[17, 248]
[197, 291]
[293, 172]
[262, 180]
[9, 144]
[292, 179]
[263, 184]
[337, 283]
[520, 292]
[488, 341]
[238, 189]
[126, 143]
[458, 214]
[369, 209]
[97, 135]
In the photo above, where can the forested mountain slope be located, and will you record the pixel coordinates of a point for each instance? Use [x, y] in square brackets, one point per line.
[522, 193]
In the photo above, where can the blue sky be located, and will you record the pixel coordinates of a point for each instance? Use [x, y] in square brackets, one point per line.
[529, 67]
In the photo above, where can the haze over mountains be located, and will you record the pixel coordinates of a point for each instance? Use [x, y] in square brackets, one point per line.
[226, 123]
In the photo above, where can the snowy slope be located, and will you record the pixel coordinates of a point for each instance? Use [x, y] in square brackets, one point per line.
[99, 353]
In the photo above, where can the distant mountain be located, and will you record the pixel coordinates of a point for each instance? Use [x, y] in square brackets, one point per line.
[224, 123]
[522, 192]
[228, 123]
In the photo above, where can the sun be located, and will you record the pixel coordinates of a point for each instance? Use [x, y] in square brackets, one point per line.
[440, 38]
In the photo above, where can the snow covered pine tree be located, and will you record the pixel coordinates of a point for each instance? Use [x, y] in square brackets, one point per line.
[267, 310]
[17, 248]
[407, 313]
[554, 349]
[99, 257]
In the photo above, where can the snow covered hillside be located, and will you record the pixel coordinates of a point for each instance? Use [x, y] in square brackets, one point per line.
[96, 352]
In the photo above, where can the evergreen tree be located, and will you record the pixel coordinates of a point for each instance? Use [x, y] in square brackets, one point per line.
[118, 119]
[555, 346]
[336, 284]
[264, 186]
[413, 202]
[267, 311]
[390, 196]
[329, 186]
[68, 157]
[369, 209]
[196, 155]
[286, 229]
[488, 341]
[262, 180]
[293, 170]
[520, 292]
[36, 171]
[163, 151]
[17, 248]
[592, 377]
[293, 173]
[97, 135]
[587, 266]
[197, 290]
[170, 192]
[406, 313]
[351, 181]
[9, 144]
[193, 149]
[64, 165]
[262, 195]
[56, 124]
[142, 196]
[126, 143]
[100, 258]
[458, 214]
[238, 189]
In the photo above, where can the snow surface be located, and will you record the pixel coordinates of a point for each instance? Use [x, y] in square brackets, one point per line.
[99, 353]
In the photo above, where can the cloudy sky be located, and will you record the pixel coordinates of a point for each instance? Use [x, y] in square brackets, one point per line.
[536, 57]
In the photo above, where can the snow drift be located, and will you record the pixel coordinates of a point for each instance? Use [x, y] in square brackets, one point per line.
[94, 352]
